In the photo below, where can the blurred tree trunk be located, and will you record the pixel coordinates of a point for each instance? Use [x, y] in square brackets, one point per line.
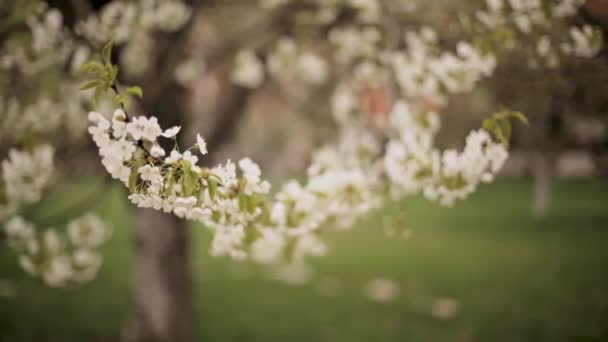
[545, 130]
[543, 174]
[161, 301]
[160, 290]
[161, 294]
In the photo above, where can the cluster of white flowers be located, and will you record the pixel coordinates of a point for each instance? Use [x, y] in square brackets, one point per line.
[141, 44]
[119, 20]
[368, 50]
[423, 72]
[55, 258]
[354, 42]
[231, 199]
[586, 42]
[26, 174]
[249, 70]
[324, 11]
[461, 172]
[43, 116]
[47, 45]
[347, 178]
[350, 192]
[413, 164]
[131, 23]
[43, 46]
[59, 259]
[544, 24]
[284, 60]
[218, 197]
[287, 58]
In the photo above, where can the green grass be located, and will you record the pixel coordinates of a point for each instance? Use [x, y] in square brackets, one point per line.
[515, 279]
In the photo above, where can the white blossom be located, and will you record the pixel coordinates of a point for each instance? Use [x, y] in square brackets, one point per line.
[312, 68]
[171, 132]
[202, 145]
[249, 71]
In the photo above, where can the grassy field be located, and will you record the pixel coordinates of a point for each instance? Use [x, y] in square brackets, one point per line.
[506, 276]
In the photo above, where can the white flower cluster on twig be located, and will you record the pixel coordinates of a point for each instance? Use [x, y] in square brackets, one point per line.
[413, 164]
[27, 174]
[118, 20]
[544, 24]
[59, 259]
[345, 182]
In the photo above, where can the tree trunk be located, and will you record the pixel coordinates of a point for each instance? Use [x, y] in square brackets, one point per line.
[543, 173]
[161, 305]
[161, 297]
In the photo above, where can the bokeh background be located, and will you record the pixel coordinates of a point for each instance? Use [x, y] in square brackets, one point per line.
[524, 259]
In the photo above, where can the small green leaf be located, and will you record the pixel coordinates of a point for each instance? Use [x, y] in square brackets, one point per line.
[98, 93]
[133, 177]
[508, 114]
[121, 100]
[500, 127]
[242, 184]
[135, 91]
[506, 129]
[90, 84]
[113, 73]
[189, 181]
[92, 66]
[107, 53]
[216, 177]
[170, 183]
[251, 235]
[212, 187]
[243, 201]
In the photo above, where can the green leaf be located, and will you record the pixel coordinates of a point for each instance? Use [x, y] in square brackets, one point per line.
[251, 235]
[113, 73]
[189, 181]
[243, 201]
[90, 84]
[107, 53]
[133, 177]
[242, 184]
[499, 125]
[170, 183]
[98, 93]
[92, 66]
[506, 129]
[135, 91]
[121, 100]
[185, 165]
[212, 187]
[508, 114]
[217, 178]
